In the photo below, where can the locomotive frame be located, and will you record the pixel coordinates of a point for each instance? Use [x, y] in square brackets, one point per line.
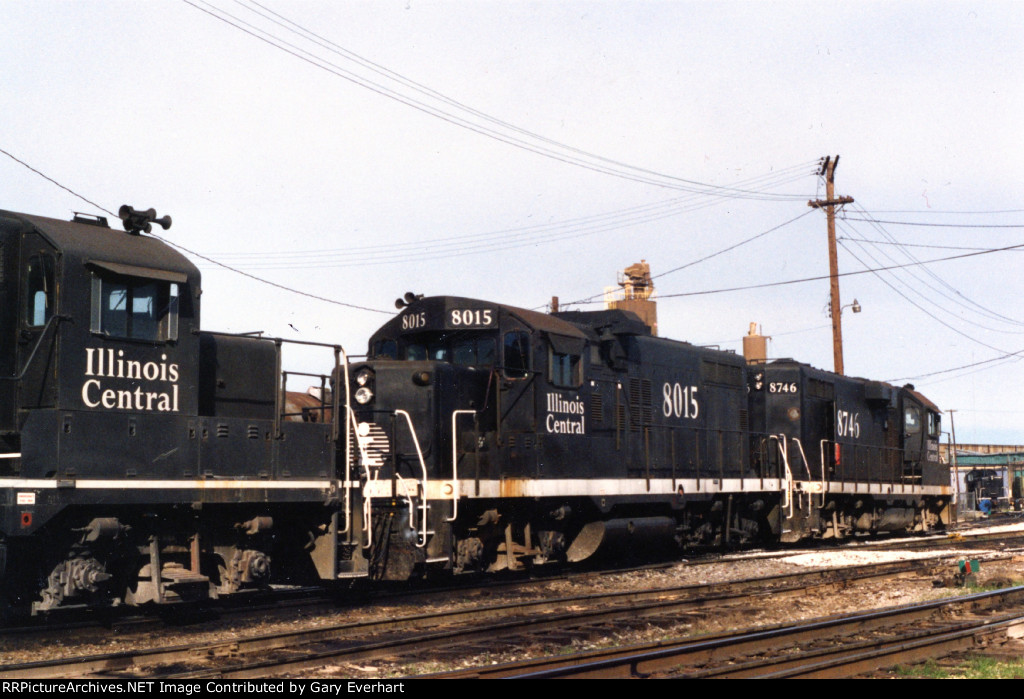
[600, 436]
[144, 460]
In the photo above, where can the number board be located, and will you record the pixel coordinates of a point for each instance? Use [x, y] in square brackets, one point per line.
[471, 318]
[414, 321]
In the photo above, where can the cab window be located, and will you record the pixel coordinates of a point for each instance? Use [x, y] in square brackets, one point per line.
[474, 351]
[39, 291]
[565, 370]
[434, 350]
[385, 349]
[934, 424]
[517, 354]
[565, 365]
[911, 421]
[139, 309]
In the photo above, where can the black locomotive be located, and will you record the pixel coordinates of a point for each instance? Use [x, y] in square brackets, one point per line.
[499, 437]
[143, 460]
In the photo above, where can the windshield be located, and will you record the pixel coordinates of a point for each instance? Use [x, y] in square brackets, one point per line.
[464, 350]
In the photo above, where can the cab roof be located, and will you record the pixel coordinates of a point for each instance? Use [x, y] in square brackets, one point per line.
[89, 243]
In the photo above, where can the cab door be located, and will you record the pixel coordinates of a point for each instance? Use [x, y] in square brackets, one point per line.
[10, 260]
[516, 404]
[913, 435]
[36, 342]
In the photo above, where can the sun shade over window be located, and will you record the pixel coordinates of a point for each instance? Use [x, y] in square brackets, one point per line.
[138, 309]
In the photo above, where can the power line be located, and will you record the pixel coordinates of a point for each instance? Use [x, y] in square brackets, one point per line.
[554, 149]
[936, 225]
[912, 245]
[191, 252]
[975, 212]
[50, 179]
[732, 247]
[939, 291]
[994, 315]
[923, 310]
[1008, 355]
[769, 336]
[590, 299]
[668, 207]
[841, 274]
[464, 245]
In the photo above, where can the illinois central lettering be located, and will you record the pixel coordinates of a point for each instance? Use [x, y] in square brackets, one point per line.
[106, 364]
[574, 423]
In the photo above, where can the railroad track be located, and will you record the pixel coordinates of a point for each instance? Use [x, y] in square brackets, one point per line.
[460, 632]
[122, 618]
[834, 647]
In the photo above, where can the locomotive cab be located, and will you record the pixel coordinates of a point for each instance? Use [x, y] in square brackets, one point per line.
[97, 323]
[455, 366]
[922, 429]
[861, 456]
[494, 437]
[458, 393]
[116, 411]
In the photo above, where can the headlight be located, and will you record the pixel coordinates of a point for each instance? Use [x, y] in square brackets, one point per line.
[364, 376]
[363, 395]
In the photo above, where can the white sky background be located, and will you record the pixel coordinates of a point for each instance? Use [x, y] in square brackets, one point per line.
[254, 151]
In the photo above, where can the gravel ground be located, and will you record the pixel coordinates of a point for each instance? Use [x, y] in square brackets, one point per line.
[860, 596]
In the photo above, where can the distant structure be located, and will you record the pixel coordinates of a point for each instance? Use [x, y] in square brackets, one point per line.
[636, 294]
[755, 346]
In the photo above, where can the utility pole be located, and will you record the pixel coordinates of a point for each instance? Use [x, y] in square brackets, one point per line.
[956, 468]
[828, 171]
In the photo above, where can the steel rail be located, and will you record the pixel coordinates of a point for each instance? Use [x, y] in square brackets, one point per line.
[669, 660]
[463, 626]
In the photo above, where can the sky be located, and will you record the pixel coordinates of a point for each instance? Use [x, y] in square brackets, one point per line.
[516, 151]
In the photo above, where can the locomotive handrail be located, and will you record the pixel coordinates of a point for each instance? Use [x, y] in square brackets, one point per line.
[423, 465]
[803, 457]
[787, 489]
[341, 369]
[340, 362]
[353, 427]
[402, 489]
[455, 464]
[39, 342]
[824, 477]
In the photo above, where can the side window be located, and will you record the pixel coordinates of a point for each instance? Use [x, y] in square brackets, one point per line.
[517, 354]
[565, 370]
[911, 420]
[141, 309]
[934, 424]
[39, 291]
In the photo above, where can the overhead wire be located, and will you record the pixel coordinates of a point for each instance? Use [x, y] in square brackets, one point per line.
[788, 282]
[722, 251]
[925, 224]
[967, 212]
[926, 298]
[464, 245]
[530, 141]
[794, 173]
[1003, 358]
[199, 255]
[769, 336]
[919, 306]
[912, 245]
[984, 310]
